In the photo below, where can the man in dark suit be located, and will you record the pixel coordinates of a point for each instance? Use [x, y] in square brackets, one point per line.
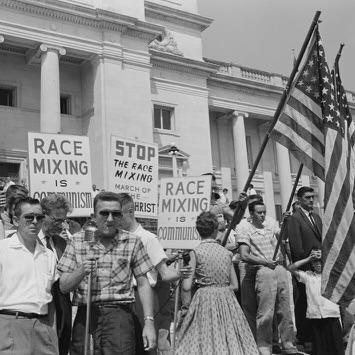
[56, 207]
[304, 233]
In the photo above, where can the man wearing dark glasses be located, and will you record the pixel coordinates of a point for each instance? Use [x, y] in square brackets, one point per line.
[56, 208]
[27, 273]
[114, 259]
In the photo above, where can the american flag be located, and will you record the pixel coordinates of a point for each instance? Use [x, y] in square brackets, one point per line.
[316, 126]
[300, 125]
[338, 247]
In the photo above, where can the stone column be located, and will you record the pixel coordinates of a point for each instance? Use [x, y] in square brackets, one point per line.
[285, 179]
[240, 149]
[269, 199]
[50, 91]
[321, 187]
[223, 124]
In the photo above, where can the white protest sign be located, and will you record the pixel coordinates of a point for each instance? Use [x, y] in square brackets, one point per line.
[181, 201]
[61, 164]
[134, 170]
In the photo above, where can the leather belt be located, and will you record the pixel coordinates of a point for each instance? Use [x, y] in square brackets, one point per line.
[22, 314]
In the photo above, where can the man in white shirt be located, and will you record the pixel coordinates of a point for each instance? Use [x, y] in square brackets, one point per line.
[27, 273]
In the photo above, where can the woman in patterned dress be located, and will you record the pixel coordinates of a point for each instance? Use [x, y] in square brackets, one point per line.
[214, 323]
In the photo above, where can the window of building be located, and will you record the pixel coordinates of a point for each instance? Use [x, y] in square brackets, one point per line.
[249, 152]
[11, 170]
[65, 104]
[278, 210]
[163, 117]
[7, 96]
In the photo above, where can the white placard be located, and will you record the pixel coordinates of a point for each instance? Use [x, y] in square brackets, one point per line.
[61, 164]
[134, 170]
[181, 200]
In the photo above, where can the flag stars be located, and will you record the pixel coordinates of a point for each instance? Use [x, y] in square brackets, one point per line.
[329, 118]
[309, 88]
[324, 91]
[331, 107]
[326, 79]
[305, 73]
[300, 83]
[314, 79]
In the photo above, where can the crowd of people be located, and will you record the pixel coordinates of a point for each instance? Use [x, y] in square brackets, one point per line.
[237, 295]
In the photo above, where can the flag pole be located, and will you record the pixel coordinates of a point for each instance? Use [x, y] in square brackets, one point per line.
[236, 214]
[339, 53]
[279, 240]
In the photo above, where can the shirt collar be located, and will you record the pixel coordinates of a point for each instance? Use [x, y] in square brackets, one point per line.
[15, 243]
[305, 211]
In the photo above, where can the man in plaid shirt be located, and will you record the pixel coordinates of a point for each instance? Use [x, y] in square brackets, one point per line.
[116, 257]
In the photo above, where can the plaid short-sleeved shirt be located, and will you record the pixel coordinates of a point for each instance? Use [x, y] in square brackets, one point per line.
[116, 266]
[261, 242]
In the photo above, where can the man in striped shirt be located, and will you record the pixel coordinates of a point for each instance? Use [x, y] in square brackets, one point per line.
[257, 244]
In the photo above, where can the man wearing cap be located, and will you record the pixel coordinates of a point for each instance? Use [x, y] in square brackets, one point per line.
[27, 273]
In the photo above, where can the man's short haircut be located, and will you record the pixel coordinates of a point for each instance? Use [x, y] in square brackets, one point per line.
[125, 199]
[302, 190]
[206, 224]
[252, 205]
[55, 201]
[23, 201]
[251, 186]
[256, 197]
[106, 196]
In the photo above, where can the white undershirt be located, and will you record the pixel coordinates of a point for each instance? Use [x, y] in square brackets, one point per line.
[25, 278]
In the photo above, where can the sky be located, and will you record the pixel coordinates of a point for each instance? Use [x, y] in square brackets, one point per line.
[260, 34]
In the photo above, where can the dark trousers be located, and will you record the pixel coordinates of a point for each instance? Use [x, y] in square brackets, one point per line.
[114, 330]
[302, 323]
[327, 336]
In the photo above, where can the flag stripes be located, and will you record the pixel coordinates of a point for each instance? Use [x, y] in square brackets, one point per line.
[300, 126]
[339, 222]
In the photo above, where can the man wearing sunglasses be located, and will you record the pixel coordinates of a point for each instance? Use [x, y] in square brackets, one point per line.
[27, 273]
[113, 260]
[56, 208]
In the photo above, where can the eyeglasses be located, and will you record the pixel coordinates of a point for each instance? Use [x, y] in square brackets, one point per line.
[31, 217]
[114, 214]
[57, 220]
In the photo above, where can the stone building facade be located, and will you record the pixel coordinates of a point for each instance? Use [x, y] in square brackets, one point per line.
[135, 68]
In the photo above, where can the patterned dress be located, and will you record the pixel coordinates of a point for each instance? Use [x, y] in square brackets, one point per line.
[214, 323]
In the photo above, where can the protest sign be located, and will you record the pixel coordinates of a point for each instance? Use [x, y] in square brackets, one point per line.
[61, 164]
[134, 170]
[181, 201]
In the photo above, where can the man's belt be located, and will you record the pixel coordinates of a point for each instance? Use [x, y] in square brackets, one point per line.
[22, 314]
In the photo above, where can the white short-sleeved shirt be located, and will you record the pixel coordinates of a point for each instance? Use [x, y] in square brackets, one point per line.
[154, 250]
[317, 305]
[26, 279]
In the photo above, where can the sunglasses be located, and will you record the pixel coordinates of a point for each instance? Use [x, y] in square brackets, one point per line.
[114, 214]
[31, 217]
[57, 220]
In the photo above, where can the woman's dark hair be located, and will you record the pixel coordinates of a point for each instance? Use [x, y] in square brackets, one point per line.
[206, 224]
